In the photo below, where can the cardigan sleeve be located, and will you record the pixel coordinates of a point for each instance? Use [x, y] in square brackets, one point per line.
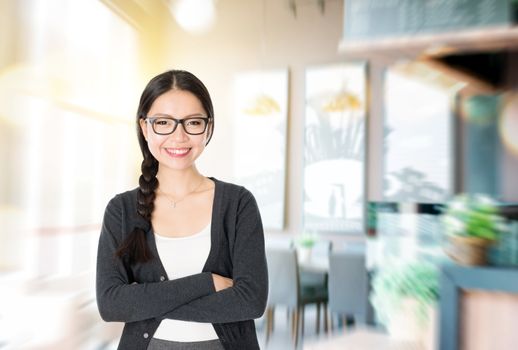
[118, 299]
[246, 299]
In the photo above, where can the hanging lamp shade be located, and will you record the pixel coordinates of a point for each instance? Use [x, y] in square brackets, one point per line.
[194, 16]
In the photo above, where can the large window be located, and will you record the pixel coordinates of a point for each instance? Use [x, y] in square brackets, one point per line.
[418, 152]
[68, 95]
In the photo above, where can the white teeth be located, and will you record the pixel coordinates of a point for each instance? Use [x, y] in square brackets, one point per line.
[178, 150]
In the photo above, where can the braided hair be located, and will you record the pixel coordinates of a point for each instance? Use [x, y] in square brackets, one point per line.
[134, 248]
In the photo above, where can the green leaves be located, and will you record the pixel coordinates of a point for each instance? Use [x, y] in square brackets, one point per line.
[394, 283]
[473, 216]
[306, 240]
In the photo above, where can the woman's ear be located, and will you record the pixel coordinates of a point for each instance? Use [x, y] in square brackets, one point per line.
[143, 127]
[208, 134]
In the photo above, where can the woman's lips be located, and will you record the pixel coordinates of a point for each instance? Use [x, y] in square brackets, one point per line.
[177, 152]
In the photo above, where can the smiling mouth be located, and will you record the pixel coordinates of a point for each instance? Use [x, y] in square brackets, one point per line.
[177, 152]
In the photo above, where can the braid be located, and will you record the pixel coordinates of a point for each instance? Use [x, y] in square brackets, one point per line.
[148, 183]
[135, 248]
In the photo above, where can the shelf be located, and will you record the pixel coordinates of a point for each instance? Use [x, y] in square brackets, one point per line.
[435, 44]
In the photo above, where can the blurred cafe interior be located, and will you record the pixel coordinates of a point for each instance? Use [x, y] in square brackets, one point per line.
[380, 139]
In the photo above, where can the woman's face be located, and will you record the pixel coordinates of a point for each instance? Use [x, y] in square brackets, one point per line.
[178, 150]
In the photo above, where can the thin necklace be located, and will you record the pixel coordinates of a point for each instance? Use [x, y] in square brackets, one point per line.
[173, 201]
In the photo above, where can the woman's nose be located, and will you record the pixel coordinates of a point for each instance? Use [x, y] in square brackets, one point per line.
[179, 134]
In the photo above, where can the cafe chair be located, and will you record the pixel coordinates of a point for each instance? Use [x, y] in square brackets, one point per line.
[348, 286]
[313, 279]
[285, 290]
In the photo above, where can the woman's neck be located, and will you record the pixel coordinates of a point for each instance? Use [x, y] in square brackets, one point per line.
[178, 183]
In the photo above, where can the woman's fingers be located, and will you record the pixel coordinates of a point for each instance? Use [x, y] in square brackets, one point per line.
[221, 282]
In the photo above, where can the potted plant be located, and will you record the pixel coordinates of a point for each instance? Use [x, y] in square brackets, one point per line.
[305, 243]
[471, 224]
[405, 296]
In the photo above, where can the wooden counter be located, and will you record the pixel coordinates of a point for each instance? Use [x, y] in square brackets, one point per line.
[478, 307]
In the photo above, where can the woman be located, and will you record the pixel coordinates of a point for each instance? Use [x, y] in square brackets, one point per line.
[181, 258]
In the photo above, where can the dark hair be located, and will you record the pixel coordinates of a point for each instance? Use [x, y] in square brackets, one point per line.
[134, 248]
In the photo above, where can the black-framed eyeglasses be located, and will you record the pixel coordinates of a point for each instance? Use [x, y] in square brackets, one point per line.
[167, 125]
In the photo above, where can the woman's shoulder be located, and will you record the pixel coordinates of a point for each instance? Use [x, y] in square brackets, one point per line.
[231, 188]
[128, 195]
[124, 207]
[123, 199]
[232, 192]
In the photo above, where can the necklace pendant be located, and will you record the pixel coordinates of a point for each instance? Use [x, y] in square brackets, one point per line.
[174, 205]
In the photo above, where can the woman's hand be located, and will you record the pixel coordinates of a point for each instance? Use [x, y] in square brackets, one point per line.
[221, 282]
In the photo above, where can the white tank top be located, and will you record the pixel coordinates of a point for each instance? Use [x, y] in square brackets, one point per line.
[184, 256]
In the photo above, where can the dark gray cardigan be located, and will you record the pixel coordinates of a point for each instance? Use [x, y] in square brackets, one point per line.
[141, 295]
